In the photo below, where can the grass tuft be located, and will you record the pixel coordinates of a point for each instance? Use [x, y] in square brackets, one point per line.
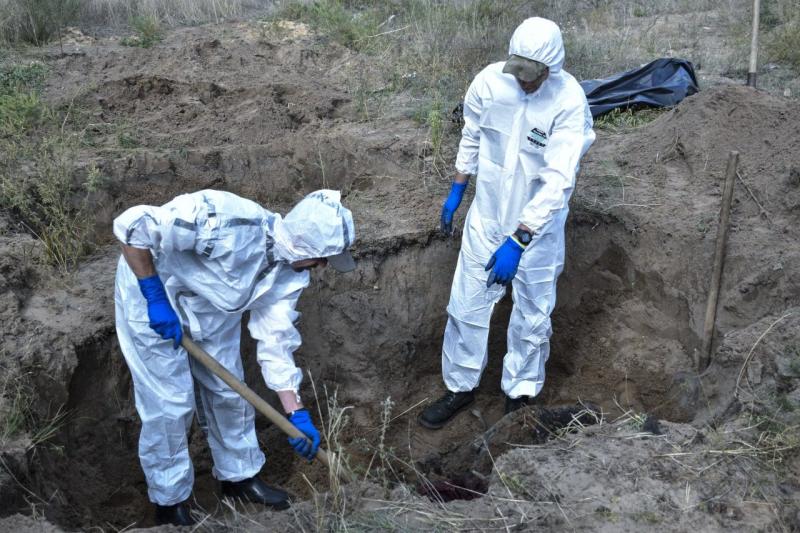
[618, 120]
[37, 169]
[334, 18]
[35, 21]
[148, 31]
[783, 43]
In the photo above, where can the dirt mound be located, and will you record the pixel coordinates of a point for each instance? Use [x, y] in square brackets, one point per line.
[633, 296]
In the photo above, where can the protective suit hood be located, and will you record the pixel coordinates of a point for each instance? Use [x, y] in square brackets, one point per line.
[539, 39]
[318, 226]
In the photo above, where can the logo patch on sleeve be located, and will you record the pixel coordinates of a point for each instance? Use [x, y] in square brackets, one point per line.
[537, 137]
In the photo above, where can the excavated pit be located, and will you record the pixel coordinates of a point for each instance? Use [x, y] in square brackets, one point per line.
[370, 335]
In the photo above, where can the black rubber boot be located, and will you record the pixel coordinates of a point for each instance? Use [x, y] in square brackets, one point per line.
[437, 414]
[177, 515]
[512, 404]
[254, 490]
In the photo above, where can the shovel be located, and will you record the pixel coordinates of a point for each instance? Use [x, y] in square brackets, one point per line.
[329, 459]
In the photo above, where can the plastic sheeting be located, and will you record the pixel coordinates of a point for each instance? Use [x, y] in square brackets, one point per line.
[661, 83]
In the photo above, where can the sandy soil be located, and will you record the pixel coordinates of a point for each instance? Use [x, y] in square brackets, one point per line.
[271, 118]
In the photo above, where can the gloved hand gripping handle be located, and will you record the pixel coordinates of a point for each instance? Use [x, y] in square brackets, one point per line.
[163, 319]
[329, 459]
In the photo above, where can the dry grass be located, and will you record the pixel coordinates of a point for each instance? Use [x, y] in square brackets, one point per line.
[40, 21]
[170, 12]
[37, 168]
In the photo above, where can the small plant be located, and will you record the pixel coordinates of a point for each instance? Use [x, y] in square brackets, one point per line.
[435, 121]
[13, 409]
[383, 452]
[783, 43]
[148, 31]
[22, 78]
[36, 171]
[333, 18]
[19, 113]
[126, 140]
[95, 180]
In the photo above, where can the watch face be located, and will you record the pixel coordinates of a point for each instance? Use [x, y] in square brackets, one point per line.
[523, 236]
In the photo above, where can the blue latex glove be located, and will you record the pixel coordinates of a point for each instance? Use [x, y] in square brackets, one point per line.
[305, 447]
[450, 206]
[504, 263]
[163, 319]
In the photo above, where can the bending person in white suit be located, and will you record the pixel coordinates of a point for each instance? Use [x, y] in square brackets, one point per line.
[194, 266]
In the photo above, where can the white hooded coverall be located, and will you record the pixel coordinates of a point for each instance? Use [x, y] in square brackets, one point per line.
[218, 255]
[524, 150]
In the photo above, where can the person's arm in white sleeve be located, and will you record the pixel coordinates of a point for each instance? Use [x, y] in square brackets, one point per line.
[467, 158]
[273, 327]
[561, 157]
[145, 228]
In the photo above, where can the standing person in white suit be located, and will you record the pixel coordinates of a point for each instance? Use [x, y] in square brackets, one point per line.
[194, 266]
[527, 125]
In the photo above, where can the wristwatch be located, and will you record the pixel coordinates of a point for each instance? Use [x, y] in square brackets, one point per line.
[522, 237]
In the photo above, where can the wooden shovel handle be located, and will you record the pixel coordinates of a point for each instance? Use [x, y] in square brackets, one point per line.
[329, 459]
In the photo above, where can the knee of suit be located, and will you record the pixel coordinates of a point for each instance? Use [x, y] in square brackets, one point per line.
[533, 327]
[227, 400]
[462, 318]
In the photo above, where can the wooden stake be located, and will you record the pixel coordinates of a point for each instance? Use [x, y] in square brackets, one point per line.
[751, 74]
[719, 262]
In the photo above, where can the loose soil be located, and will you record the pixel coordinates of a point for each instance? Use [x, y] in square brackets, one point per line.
[271, 118]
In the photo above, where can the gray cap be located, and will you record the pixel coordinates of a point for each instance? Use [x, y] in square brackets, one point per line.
[342, 262]
[524, 68]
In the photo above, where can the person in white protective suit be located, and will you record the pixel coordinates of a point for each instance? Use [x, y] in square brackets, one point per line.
[527, 125]
[193, 266]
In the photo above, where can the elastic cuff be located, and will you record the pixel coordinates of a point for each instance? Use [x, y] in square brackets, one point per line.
[516, 241]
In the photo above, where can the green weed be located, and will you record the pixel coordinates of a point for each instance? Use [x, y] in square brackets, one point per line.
[626, 119]
[334, 18]
[435, 121]
[148, 31]
[19, 78]
[37, 153]
[126, 140]
[19, 113]
[783, 43]
[13, 409]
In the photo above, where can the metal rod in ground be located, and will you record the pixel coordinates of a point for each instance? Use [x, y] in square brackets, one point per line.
[329, 459]
[751, 73]
[719, 261]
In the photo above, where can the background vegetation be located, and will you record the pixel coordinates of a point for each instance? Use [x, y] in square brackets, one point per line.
[412, 58]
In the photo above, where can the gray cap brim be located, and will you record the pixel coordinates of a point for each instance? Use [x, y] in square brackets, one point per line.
[524, 68]
[342, 262]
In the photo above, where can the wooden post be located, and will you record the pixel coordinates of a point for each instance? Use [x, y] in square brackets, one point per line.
[719, 262]
[751, 73]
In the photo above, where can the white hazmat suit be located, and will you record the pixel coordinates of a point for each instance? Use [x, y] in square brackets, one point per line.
[524, 150]
[218, 255]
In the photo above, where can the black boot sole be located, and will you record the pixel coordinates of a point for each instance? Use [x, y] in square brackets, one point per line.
[443, 423]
